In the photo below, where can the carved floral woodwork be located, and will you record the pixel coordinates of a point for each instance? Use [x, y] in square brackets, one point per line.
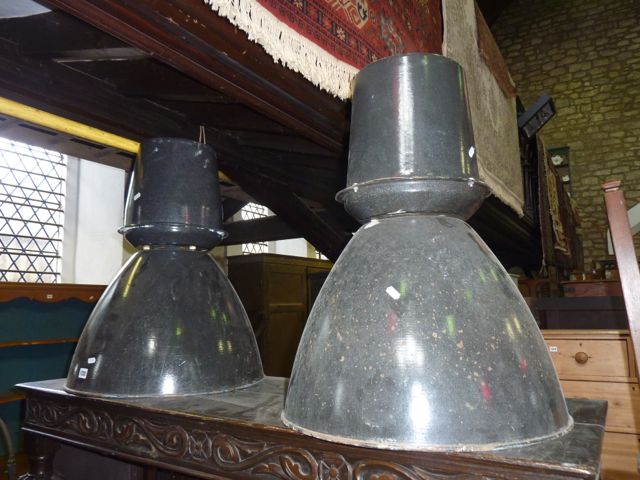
[218, 451]
[239, 435]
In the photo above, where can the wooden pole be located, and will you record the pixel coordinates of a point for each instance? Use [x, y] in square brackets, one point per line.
[61, 124]
[625, 256]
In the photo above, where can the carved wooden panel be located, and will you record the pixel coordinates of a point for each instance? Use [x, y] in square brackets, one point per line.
[212, 450]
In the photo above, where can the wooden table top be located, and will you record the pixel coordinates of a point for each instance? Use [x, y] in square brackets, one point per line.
[241, 433]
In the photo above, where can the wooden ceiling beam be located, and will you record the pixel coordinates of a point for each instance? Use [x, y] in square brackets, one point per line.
[166, 96]
[279, 143]
[231, 206]
[57, 89]
[324, 234]
[235, 43]
[227, 116]
[97, 54]
[149, 79]
[167, 31]
[267, 229]
[50, 83]
[304, 186]
[43, 34]
[291, 160]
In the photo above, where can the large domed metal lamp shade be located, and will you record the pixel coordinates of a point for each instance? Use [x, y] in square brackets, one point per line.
[419, 340]
[170, 322]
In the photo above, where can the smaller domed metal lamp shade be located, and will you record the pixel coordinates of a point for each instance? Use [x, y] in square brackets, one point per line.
[170, 322]
[419, 339]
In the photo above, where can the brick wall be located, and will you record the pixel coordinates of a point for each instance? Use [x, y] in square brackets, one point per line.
[586, 54]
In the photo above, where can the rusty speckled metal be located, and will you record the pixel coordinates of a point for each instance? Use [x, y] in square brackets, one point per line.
[419, 339]
[170, 322]
[411, 147]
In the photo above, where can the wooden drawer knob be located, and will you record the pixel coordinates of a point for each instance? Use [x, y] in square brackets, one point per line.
[581, 358]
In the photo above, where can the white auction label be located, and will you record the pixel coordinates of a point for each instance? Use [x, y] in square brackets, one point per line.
[553, 349]
[82, 373]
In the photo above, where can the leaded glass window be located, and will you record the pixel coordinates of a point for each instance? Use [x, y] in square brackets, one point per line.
[251, 211]
[32, 188]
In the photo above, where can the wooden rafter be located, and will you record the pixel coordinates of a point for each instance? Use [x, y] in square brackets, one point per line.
[231, 206]
[284, 139]
[266, 229]
[166, 30]
[324, 234]
[62, 90]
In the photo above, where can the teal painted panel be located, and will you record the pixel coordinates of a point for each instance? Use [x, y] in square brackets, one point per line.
[36, 362]
[25, 319]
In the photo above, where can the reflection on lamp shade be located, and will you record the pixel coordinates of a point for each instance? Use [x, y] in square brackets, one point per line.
[170, 322]
[158, 328]
[419, 339]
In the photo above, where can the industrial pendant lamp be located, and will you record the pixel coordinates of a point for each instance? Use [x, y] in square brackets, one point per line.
[170, 322]
[419, 340]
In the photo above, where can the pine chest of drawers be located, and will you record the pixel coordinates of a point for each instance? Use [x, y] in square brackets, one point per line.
[599, 364]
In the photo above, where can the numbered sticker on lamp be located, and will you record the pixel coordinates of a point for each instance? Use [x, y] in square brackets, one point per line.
[82, 373]
[553, 349]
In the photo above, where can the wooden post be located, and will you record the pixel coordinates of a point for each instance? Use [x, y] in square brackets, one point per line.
[41, 452]
[625, 256]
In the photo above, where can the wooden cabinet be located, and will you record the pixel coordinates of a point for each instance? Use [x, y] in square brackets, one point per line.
[601, 357]
[599, 364]
[277, 291]
[619, 452]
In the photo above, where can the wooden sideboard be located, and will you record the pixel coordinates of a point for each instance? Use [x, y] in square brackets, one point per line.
[239, 435]
[599, 364]
[278, 292]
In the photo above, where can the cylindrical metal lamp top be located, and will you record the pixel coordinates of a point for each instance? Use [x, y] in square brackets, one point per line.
[410, 119]
[174, 197]
[410, 130]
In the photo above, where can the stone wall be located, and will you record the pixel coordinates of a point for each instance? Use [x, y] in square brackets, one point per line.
[586, 54]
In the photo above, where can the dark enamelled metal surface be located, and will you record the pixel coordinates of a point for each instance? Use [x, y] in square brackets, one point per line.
[170, 322]
[172, 199]
[419, 340]
[407, 124]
